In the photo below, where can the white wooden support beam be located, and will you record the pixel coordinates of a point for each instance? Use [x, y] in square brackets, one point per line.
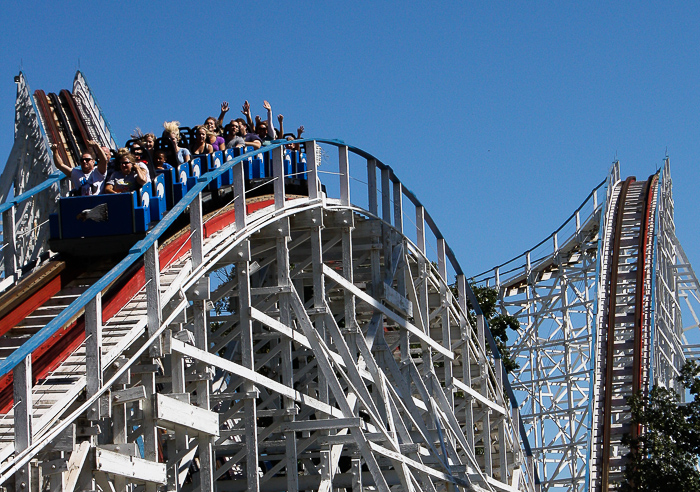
[333, 275]
[252, 376]
[420, 228]
[312, 170]
[75, 465]
[130, 467]
[170, 412]
[400, 272]
[239, 196]
[9, 241]
[22, 392]
[372, 186]
[285, 320]
[206, 450]
[278, 174]
[386, 195]
[93, 352]
[398, 206]
[181, 440]
[150, 435]
[356, 471]
[502, 448]
[247, 361]
[197, 231]
[152, 269]
[344, 171]
[465, 335]
[445, 320]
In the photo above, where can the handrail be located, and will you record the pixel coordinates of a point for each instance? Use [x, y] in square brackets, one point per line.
[52, 180]
[203, 181]
[548, 238]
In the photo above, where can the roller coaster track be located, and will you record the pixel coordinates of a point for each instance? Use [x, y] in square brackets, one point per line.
[276, 343]
[599, 302]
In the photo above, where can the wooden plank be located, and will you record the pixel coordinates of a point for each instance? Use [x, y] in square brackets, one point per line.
[128, 395]
[129, 466]
[176, 412]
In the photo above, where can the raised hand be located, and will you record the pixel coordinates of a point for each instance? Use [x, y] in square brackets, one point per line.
[300, 130]
[267, 106]
[280, 118]
[224, 107]
[246, 108]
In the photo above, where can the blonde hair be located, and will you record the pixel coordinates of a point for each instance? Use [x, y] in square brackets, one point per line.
[124, 152]
[173, 128]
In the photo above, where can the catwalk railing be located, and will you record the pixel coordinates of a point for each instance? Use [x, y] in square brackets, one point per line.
[381, 198]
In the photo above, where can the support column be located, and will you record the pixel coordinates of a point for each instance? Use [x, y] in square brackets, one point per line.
[246, 325]
[446, 331]
[465, 334]
[152, 269]
[9, 251]
[484, 375]
[93, 353]
[400, 272]
[22, 392]
[423, 267]
[284, 282]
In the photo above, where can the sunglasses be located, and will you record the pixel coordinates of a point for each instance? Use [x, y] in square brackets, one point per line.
[86, 159]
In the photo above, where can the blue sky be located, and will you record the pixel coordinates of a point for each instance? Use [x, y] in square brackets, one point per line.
[500, 116]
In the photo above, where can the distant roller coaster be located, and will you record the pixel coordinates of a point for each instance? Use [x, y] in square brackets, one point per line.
[600, 304]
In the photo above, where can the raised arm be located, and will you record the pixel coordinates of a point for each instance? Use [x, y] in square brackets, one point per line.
[270, 128]
[280, 118]
[60, 165]
[102, 159]
[141, 174]
[224, 110]
[246, 113]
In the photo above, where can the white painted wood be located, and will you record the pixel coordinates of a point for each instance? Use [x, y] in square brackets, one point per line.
[172, 411]
[128, 466]
[387, 312]
[93, 349]
[9, 241]
[278, 175]
[344, 171]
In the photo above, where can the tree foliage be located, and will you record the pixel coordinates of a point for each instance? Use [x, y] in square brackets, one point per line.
[499, 322]
[665, 455]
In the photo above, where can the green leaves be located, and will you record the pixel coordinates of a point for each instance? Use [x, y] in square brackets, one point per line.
[665, 455]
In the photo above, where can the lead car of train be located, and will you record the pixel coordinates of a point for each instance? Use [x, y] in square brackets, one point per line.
[102, 225]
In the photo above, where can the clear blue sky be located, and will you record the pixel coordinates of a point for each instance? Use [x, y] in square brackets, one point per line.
[500, 116]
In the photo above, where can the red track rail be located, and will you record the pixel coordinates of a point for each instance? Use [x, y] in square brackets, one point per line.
[50, 354]
[638, 340]
[50, 125]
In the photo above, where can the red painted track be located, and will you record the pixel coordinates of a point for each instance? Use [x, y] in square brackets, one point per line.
[57, 348]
